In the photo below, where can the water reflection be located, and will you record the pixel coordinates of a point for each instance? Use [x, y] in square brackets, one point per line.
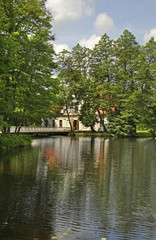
[97, 187]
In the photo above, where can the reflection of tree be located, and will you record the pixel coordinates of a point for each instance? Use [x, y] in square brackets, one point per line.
[113, 191]
[28, 203]
[123, 190]
[89, 183]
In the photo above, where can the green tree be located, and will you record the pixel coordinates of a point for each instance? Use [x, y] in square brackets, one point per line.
[101, 72]
[147, 80]
[88, 115]
[68, 77]
[73, 70]
[101, 61]
[126, 51]
[89, 101]
[116, 80]
[27, 87]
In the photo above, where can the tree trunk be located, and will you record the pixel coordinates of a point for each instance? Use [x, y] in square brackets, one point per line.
[69, 119]
[8, 130]
[92, 129]
[102, 122]
[17, 129]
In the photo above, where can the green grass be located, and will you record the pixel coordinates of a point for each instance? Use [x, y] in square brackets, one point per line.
[144, 134]
[93, 134]
[139, 133]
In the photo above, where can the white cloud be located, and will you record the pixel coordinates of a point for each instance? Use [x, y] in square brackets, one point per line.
[89, 7]
[151, 33]
[66, 11]
[60, 47]
[90, 43]
[103, 23]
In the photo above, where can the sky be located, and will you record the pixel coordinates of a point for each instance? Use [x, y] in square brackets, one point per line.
[85, 21]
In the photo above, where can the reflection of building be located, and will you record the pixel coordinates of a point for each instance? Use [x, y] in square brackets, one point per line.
[71, 115]
[70, 153]
[50, 156]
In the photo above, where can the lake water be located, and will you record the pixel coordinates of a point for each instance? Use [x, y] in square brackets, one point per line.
[79, 188]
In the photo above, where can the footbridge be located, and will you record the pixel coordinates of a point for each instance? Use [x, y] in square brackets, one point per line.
[42, 130]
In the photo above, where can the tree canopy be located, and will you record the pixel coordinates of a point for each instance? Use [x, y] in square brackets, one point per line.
[116, 80]
[27, 88]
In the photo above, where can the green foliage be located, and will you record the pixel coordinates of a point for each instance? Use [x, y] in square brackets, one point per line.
[27, 89]
[3, 123]
[13, 141]
[88, 115]
[116, 80]
[122, 125]
[101, 61]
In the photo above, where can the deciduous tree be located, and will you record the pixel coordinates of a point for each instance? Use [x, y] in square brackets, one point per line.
[27, 87]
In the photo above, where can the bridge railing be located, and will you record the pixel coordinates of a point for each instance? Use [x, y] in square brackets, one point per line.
[24, 129]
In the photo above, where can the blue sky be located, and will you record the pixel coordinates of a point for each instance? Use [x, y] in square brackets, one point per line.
[85, 21]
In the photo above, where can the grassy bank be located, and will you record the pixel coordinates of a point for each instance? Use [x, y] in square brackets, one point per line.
[13, 141]
[139, 134]
[144, 134]
[92, 134]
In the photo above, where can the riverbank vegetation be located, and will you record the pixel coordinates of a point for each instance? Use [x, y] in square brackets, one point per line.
[138, 134]
[116, 79]
[11, 141]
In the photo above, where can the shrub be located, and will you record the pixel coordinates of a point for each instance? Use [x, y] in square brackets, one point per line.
[13, 141]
